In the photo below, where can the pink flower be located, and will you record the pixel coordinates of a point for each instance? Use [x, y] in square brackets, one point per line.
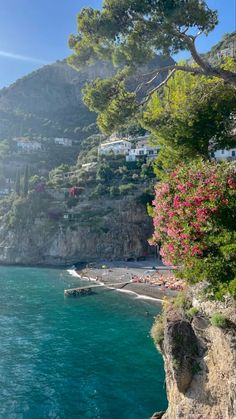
[176, 201]
[231, 183]
[196, 251]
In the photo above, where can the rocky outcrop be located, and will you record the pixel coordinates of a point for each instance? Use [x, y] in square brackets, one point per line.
[200, 364]
[104, 229]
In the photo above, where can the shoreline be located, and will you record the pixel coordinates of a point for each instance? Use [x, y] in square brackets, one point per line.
[118, 276]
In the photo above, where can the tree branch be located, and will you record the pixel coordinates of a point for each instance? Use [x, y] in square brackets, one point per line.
[150, 93]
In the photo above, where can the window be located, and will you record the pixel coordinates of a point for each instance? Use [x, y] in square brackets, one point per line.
[233, 153]
[222, 151]
[151, 152]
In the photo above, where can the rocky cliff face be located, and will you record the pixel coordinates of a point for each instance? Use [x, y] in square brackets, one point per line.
[200, 363]
[108, 229]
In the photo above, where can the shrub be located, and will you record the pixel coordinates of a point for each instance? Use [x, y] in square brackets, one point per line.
[157, 331]
[218, 320]
[114, 191]
[194, 220]
[193, 311]
[127, 188]
[100, 190]
[182, 301]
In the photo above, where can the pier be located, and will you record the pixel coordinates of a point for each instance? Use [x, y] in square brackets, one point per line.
[88, 290]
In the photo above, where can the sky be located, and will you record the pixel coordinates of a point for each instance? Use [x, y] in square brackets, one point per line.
[35, 33]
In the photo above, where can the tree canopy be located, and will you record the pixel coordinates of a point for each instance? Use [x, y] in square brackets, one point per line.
[194, 115]
[131, 33]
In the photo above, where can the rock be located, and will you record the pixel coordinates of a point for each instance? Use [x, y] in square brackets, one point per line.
[158, 415]
[181, 346]
[200, 365]
[78, 292]
[200, 323]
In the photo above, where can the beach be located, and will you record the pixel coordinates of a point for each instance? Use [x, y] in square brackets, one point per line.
[134, 277]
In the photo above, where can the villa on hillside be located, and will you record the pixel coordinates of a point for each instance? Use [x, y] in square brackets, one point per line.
[66, 142]
[89, 166]
[115, 145]
[26, 145]
[142, 149]
[124, 146]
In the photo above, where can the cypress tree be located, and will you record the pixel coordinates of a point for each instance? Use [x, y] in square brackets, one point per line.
[26, 181]
[17, 184]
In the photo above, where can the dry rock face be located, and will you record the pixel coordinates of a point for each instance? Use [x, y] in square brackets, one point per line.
[200, 365]
[106, 229]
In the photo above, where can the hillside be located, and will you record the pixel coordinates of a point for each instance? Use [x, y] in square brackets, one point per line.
[225, 47]
[48, 102]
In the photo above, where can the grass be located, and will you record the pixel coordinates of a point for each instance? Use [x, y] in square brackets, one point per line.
[218, 320]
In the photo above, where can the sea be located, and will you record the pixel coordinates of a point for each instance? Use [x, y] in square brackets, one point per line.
[62, 357]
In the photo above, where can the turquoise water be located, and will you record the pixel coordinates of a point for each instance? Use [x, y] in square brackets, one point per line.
[90, 357]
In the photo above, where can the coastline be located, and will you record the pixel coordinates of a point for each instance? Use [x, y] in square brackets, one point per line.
[118, 276]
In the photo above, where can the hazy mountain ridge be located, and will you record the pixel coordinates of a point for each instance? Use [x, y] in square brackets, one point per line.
[48, 102]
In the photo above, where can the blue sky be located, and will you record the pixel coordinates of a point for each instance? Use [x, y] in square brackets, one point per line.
[34, 32]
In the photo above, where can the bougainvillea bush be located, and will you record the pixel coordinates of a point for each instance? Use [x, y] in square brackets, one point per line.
[194, 223]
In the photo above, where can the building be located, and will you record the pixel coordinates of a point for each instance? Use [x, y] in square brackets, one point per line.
[145, 151]
[27, 146]
[66, 142]
[220, 155]
[89, 166]
[116, 146]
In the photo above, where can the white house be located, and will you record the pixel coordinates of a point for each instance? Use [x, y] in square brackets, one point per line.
[145, 151]
[224, 154]
[27, 145]
[89, 166]
[66, 142]
[119, 146]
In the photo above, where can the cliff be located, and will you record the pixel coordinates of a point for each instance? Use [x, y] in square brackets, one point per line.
[200, 361]
[105, 229]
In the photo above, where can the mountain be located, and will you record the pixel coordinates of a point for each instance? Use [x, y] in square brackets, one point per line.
[48, 102]
[225, 47]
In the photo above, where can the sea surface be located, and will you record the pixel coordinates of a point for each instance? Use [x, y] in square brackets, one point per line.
[89, 357]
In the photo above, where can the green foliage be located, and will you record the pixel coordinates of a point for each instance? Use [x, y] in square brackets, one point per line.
[218, 320]
[17, 184]
[191, 115]
[193, 311]
[157, 331]
[127, 188]
[104, 172]
[111, 101]
[130, 33]
[99, 191]
[114, 191]
[140, 27]
[72, 201]
[194, 219]
[182, 301]
[146, 197]
[26, 181]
